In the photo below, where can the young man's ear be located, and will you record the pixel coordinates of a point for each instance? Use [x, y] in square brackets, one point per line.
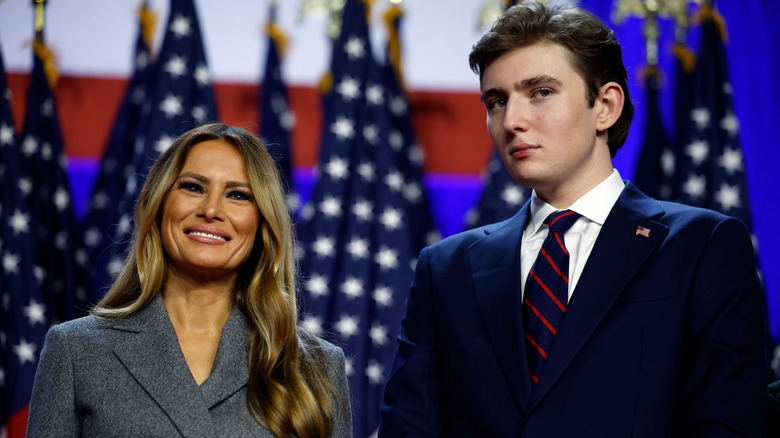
[609, 105]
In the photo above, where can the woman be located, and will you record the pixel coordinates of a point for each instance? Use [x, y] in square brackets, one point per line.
[197, 336]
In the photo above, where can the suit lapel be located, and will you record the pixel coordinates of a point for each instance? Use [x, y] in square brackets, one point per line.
[495, 269]
[231, 365]
[618, 253]
[150, 352]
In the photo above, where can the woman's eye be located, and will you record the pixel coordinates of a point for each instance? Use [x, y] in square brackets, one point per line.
[190, 187]
[239, 196]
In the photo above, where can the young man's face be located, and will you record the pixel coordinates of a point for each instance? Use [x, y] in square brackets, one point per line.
[540, 122]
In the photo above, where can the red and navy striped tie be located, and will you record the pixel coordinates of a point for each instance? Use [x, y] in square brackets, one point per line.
[546, 292]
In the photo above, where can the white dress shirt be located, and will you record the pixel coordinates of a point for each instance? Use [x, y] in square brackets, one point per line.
[593, 207]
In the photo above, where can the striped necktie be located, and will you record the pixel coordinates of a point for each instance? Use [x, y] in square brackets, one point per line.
[546, 292]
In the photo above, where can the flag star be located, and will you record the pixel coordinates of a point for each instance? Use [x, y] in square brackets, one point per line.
[25, 186]
[413, 192]
[6, 134]
[39, 273]
[61, 199]
[323, 246]
[358, 248]
[512, 195]
[667, 162]
[125, 224]
[181, 26]
[349, 88]
[199, 113]
[416, 155]
[202, 76]
[698, 151]
[352, 287]
[19, 222]
[35, 313]
[375, 95]
[162, 144]
[730, 124]
[343, 128]
[354, 47]
[176, 66]
[383, 296]
[398, 106]
[47, 107]
[171, 106]
[349, 365]
[731, 160]
[331, 207]
[47, 151]
[347, 326]
[312, 324]
[115, 266]
[141, 60]
[367, 171]
[2, 378]
[363, 210]
[695, 186]
[371, 134]
[11, 263]
[396, 140]
[29, 146]
[61, 240]
[700, 116]
[387, 258]
[337, 168]
[394, 180]
[375, 372]
[100, 200]
[391, 219]
[728, 197]
[25, 351]
[378, 334]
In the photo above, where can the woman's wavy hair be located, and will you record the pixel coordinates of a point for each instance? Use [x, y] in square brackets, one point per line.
[289, 389]
[595, 52]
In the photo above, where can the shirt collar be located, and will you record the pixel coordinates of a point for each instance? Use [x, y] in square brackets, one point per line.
[594, 205]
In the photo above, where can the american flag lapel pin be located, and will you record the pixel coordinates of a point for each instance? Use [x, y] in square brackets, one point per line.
[642, 231]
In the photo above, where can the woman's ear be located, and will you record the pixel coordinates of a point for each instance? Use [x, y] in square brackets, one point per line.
[609, 105]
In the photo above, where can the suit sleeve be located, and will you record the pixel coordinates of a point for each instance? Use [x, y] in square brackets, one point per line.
[724, 381]
[52, 406]
[411, 405]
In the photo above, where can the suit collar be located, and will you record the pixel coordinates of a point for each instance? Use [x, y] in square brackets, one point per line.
[618, 253]
[150, 352]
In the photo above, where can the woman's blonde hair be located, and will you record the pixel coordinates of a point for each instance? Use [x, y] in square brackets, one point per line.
[289, 389]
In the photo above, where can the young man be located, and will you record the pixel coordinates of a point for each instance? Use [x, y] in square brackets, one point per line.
[639, 318]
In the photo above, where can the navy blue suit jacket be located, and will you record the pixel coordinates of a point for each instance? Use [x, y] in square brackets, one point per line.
[664, 335]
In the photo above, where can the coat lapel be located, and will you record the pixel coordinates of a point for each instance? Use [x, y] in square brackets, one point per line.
[495, 272]
[231, 365]
[617, 254]
[150, 352]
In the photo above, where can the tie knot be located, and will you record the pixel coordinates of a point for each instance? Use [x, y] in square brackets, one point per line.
[561, 221]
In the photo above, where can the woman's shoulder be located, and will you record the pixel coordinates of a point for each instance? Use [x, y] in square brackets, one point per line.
[83, 327]
[315, 344]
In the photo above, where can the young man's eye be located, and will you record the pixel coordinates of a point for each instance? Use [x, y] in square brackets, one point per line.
[543, 92]
[496, 103]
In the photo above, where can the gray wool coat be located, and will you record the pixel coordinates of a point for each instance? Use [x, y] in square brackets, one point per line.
[127, 377]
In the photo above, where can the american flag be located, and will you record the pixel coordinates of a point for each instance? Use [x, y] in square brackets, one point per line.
[178, 97]
[100, 223]
[655, 167]
[501, 197]
[61, 260]
[710, 170]
[402, 139]
[276, 117]
[358, 249]
[24, 315]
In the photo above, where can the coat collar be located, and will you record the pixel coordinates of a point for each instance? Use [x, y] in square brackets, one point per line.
[616, 256]
[150, 351]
